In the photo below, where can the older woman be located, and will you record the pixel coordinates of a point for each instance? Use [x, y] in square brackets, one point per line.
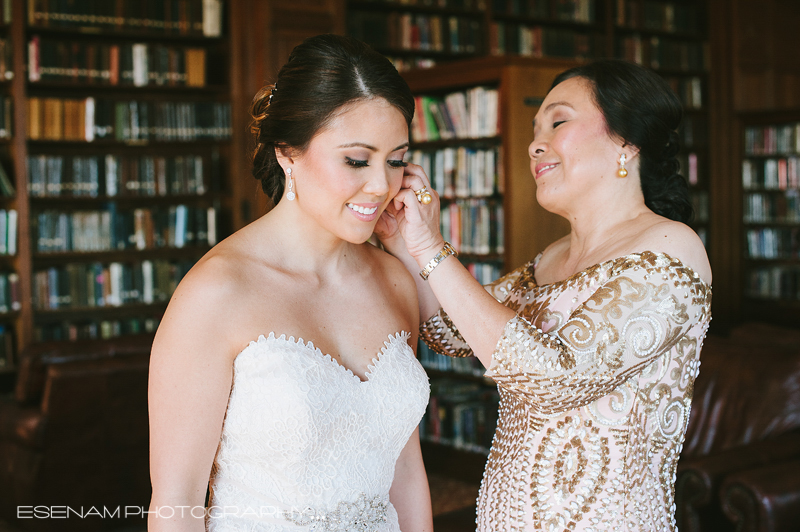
[595, 343]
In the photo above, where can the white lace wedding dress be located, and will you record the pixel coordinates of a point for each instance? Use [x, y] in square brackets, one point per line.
[307, 445]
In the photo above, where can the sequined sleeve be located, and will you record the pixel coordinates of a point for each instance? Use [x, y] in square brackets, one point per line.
[630, 320]
[443, 337]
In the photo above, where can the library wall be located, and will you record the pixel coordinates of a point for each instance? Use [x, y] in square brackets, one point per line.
[754, 68]
[767, 65]
[265, 31]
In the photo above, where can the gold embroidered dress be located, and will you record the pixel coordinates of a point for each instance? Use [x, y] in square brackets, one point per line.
[595, 375]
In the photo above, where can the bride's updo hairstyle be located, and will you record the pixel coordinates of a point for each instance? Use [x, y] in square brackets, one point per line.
[323, 74]
[641, 109]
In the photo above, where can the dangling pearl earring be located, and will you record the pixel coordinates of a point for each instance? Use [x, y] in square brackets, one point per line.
[289, 185]
[622, 172]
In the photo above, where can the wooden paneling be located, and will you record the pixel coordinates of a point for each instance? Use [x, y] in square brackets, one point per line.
[534, 228]
[264, 34]
[755, 66]
[765, 47]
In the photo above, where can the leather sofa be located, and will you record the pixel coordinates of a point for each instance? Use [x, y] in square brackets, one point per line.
[740, 465]
[74, 437]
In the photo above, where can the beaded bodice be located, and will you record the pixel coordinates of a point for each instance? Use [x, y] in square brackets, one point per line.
[307, 445]
[595, 375]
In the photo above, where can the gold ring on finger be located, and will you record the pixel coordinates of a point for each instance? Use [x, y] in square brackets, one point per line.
[423, 196]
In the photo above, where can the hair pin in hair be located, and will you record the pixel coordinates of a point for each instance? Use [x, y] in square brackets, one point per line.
[272, 93]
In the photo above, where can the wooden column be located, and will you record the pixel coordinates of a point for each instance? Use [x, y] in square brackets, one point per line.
[263, 35]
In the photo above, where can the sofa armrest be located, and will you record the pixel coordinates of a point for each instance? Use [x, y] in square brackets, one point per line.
[700, 478]
[764, 499]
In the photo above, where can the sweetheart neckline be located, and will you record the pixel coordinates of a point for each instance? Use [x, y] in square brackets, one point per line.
[299, 342]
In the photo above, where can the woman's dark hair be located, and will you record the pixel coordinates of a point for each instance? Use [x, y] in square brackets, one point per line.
[323, 73]
[641, 109]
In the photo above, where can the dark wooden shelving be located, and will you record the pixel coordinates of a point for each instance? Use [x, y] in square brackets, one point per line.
[390, 7]
[84, 201]
[122, 255]
[131, 310]
[449, 143]
[120, 91]
[100, 32]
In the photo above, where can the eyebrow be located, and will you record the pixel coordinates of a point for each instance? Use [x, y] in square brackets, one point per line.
[552, 105]
[371, 148]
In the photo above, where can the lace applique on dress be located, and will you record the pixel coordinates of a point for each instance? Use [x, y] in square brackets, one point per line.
[306, 443]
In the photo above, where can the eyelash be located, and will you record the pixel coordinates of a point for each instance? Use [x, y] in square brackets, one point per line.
[355, 163]
[556, 124]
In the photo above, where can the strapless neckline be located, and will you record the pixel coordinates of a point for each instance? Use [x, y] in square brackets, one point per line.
[393, 339]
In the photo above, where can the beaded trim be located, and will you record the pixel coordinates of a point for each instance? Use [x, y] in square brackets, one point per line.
[364, 515]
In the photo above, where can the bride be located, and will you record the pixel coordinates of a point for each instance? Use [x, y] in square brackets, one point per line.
[283, 375]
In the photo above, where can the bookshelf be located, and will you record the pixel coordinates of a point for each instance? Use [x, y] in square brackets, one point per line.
[489, 212]
[671, 37]
[420, 33]
[770, 216]
[119, 145]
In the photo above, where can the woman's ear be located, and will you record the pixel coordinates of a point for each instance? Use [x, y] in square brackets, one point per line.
[285, 155]
[629, 150]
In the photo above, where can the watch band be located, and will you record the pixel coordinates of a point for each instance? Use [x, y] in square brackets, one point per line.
[446, 251]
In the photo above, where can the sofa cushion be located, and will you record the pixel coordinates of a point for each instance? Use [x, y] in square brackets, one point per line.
[21, 424]
[748, 389]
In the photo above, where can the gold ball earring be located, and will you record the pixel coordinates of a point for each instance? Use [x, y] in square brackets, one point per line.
[622, 172]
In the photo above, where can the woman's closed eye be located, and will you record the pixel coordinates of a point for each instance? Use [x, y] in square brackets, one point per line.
[394, 163]
[558, 123]
[356, 163]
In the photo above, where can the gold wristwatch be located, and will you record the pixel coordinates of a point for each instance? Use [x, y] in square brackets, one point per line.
[446, 251]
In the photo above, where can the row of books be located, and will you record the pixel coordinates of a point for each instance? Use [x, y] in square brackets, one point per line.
[184, 17]
[6, 117]
[114, 175]
[474, 226]
[89, 119]
[702, 232]
[461, 172]
[136, 64]
[662, 53]
[700, 203]
[484, 272]
[410, 31]
[772, 140]
[404, 64]
[775, 282]
[10, 297]
[88, 285]
[7, 188]
[465, 114]
[7, 361]
[772, 174]
[93, 329]
[8, 232]
[769, 208]
[461, 414]
[672, 17]
[430, 359]
[580, 11]
[464, 5]
[175, 226]
[689, 90]
[693, 130]
[773, 243]
[525, 8]
[538, 41]
[689, 167]
[5, 11]
[6, 60]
